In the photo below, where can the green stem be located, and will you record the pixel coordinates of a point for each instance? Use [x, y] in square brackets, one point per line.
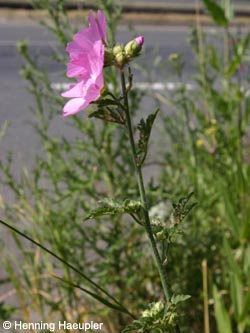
[142, 191]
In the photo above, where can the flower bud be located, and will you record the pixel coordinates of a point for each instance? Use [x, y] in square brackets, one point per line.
[22, 47]
[120, 59]
[173, 57]
[133, 47]
[117, 49]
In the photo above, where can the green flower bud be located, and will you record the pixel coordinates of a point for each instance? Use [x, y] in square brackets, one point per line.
[22, 47]
[174, 57]
[133, 47]
[117, 49]
[120, 59]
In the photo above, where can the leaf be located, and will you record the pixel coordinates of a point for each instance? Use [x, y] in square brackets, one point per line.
[135, 325]
[245, 314]
[112, 207]
[95, 285]
[216, 12]
[107, 113]
[99, 298]
[234, 268]
[107, 102]
[3, 129]
[228, 9]
[241, 49]
[221, 314]
[181, 209]
[179, 298]
[145, 128]
[236, 289]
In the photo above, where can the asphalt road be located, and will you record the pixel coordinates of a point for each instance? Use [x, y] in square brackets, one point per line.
[180, 2]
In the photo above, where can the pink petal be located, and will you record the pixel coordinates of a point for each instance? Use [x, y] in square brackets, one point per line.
[73, 49]
[74, 106]
[99, 82]
[86, 54]
[74, 70]
[101, 22]
[139, 40]
[96, 59]
[74, 91]
[93, 93]
[93, 27]
[83, 39]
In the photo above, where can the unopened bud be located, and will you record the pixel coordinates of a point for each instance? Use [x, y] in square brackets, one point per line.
[174, 57]
[22, 47]
[117, 49]
[121, 59]
[133, 47]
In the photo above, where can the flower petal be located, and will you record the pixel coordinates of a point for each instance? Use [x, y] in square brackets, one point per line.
[74, 70]
[74, 106]
[93, 92]
[86, 63]
[96, 59]
[74, 91]
[102, 26]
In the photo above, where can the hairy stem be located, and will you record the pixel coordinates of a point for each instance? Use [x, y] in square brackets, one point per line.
[142, 191]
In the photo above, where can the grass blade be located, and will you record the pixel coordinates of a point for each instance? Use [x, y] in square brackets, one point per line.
[119, 305]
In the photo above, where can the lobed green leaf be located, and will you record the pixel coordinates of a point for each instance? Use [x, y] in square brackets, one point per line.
[112, 207]
[145, 128]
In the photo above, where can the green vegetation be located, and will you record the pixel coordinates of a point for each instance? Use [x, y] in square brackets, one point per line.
[206, 255]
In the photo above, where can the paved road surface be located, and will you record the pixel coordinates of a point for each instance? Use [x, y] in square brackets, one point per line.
[241, 2]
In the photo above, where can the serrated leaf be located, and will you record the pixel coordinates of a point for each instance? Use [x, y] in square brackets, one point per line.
[181, 210]
[106, 102]
[179, 298]
[216, 12]
[135, 325]
[108, 113]
[145, 128]
[112, 207]
[131, 206]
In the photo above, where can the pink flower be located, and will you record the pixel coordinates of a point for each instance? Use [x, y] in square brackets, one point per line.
[86, 54]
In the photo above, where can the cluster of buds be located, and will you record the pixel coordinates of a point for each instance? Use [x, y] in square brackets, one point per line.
[121, 55]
